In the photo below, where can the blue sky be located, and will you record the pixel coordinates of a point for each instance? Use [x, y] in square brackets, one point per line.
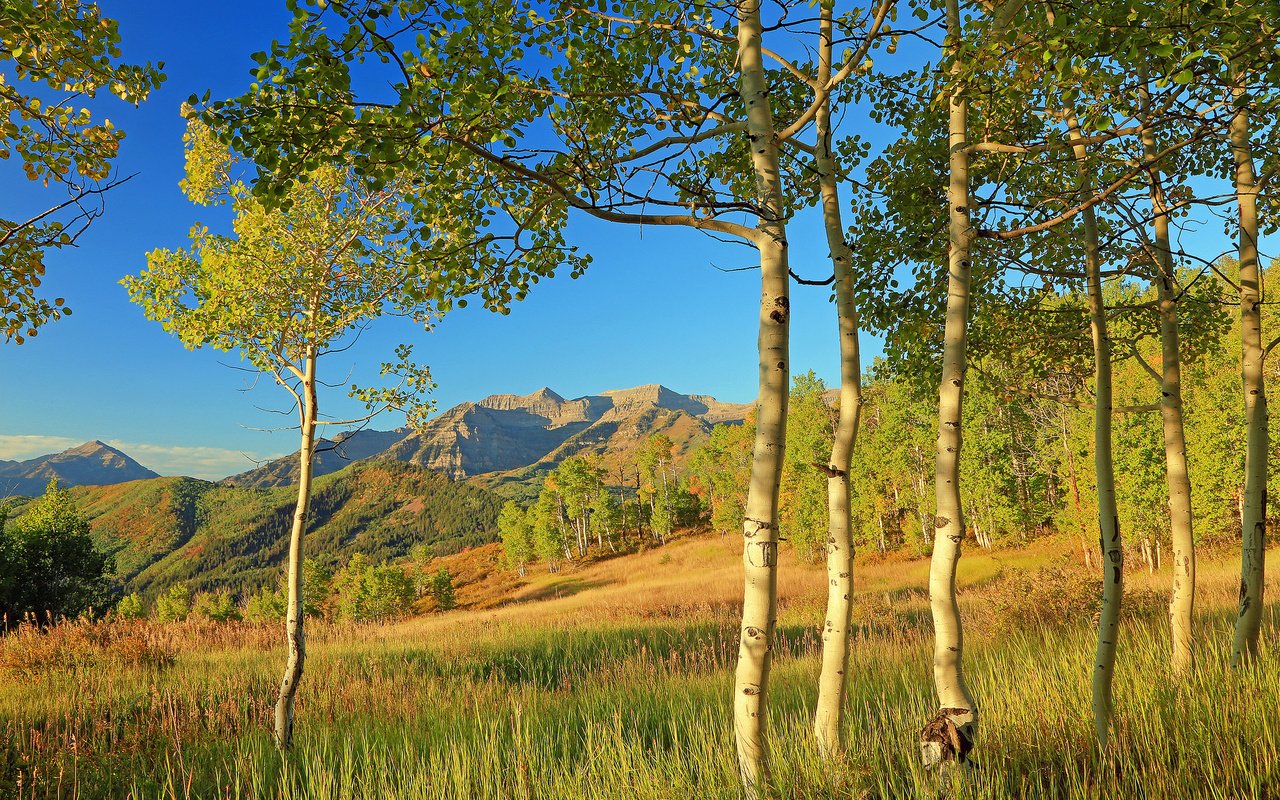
[652, 309]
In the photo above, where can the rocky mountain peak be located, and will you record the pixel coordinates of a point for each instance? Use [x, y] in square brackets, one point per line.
[93, 463]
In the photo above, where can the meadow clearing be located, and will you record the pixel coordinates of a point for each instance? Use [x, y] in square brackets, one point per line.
[613, 681]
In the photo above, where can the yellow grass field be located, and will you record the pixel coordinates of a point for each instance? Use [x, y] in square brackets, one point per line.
[612, 680]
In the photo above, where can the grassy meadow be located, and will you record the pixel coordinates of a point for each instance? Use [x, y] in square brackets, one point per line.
[613, 681]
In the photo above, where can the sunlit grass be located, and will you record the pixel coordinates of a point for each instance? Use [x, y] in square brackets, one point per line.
[610, 702]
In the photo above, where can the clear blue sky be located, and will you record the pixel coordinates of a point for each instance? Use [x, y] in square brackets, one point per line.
[652, 309]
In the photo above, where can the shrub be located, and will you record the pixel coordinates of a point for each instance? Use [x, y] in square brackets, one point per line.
[441, 589]
[265, 606]
[1052, 596]
[366, 592]
[216, 606]
[131, 606]
[174, 605]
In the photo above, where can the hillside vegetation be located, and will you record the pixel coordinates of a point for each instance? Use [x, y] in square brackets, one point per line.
[212, 537]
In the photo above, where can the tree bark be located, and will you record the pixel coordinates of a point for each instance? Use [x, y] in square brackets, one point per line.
[294, 620]
[828, 724]
[950, 734]
[760, 528]
[1109, 540]
[1177, 478]
[1253, 517]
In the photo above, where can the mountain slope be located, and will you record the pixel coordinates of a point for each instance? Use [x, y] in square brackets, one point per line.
[92, 463]
[510, 438]
[141, 522]
[167, 530]
[331, 456]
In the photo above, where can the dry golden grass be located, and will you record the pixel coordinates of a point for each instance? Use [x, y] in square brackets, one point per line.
[618, 688]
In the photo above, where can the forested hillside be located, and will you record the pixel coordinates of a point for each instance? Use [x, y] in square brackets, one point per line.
[214, 537]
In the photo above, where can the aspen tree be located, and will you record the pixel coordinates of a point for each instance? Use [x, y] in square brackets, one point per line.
[1182, 602]
[1253, 519]
[286, 288]
[828, 724]
[950, 734]
[54, 57]
[1111, 544]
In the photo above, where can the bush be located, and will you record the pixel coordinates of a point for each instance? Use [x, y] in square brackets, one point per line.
[215, 606]
[174, 605]
[1049, 597]
[1058, 595]
[131, 606]
[265, 606]
[441, 589]
[365, 592]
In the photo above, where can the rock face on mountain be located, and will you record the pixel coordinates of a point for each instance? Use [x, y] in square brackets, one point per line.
[508, 433]
[91, 464]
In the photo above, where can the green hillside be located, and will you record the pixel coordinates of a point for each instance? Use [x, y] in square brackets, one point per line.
[180, 529]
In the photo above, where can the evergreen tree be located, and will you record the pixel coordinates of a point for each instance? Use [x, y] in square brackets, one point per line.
[49, 564]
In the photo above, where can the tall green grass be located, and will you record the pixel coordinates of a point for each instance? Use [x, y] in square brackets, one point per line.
[492, 707]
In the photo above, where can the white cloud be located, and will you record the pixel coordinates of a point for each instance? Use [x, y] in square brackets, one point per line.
[17, 447]
[210, 463]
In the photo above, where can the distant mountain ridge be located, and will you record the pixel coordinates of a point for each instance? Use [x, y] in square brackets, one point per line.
[90, 464]
[331, 455]
[504, 436]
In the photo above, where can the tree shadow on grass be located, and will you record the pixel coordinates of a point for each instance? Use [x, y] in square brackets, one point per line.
[560, 587]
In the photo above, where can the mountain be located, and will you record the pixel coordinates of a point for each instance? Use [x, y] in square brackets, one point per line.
[166, 530]
[92, 463]
[331, 456]
[512, 438]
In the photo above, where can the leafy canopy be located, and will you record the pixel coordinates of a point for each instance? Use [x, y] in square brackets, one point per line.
[53, 55]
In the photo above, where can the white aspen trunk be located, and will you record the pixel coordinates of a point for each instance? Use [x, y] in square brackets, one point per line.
[1253, 516]
[950, 734]
[1110, 543]
[828, 725]
[1178, 479]
[640, 509]
[295, 633]
[666, 502]
[760, 528]
[622, 499]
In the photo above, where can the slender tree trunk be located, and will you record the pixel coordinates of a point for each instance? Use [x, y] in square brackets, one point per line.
[1178, 479]
[640, 509]
[760, 528]
[828, 723]
[950, 734]
[1253, 517]
[294, 615]
[1072, 477]
[1111, 545]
